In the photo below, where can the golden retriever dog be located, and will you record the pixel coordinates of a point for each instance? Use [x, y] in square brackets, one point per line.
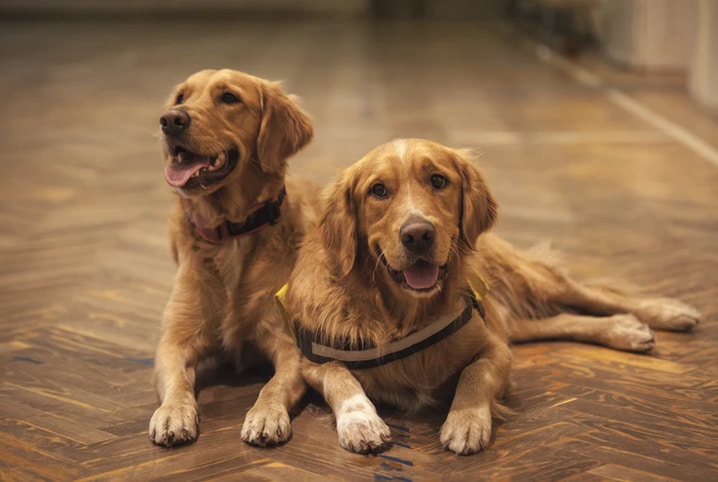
[235, 230]
[401, 296]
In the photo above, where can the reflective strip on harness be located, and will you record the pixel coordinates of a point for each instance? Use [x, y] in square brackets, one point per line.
[378, 356]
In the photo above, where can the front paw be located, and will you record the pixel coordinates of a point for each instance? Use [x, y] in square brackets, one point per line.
[668, 314]
[467, 431]
[174, 424]
[266, 425]
[361, 430]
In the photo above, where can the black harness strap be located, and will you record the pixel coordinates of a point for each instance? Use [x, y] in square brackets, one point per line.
[371, 357]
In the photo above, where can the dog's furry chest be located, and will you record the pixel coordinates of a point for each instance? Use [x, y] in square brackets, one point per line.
[231, 262]
[414, 382]
[249, 277]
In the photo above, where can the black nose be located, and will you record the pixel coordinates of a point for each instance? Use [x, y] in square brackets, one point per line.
[417, 236]
[174, 121]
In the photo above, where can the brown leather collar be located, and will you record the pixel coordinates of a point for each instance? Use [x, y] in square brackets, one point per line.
[268, 214]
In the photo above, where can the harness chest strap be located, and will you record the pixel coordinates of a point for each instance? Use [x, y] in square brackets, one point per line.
[401, 348]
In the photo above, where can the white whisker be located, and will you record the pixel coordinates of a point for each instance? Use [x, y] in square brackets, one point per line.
[376, 266]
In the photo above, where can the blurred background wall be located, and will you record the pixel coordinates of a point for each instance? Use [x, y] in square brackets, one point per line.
[181, 6]
[642, 35]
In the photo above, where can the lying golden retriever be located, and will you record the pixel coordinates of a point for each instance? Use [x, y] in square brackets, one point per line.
[390, 298]
[235, 229]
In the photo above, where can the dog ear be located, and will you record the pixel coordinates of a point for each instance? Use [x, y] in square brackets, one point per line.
[478, 209]
[284, 129]
[338, 225]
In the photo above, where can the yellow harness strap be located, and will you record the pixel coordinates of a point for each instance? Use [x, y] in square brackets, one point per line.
[280, 298]
[478, 286]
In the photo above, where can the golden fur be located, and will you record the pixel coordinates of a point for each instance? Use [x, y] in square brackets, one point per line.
[342, 289]
[222, 300]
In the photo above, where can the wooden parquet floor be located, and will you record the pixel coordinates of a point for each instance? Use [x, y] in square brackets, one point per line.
[618, 171]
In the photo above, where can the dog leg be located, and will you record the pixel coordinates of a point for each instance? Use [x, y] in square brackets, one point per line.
[622, 332]
[267, 422]
[176, 421]
[667, 314]
[657, 313]
[180, 350]
[359, 427]
[544, 285]
[467, 428]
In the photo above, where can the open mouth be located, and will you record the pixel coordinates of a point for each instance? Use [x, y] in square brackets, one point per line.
[422, 276]
[189, 170]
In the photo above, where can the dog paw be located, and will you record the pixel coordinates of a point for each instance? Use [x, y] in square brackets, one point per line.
[361, 430]
[626, 332]
[173, 425]
[467, 431]
[266, 426]
[668, 314]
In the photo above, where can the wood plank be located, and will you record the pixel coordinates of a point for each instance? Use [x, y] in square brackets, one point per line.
[85, 267]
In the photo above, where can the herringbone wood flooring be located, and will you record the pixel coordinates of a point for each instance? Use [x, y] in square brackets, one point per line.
[85, 268]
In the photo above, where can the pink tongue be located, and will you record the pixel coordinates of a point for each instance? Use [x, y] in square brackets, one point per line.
[422, 275]
[178, 173]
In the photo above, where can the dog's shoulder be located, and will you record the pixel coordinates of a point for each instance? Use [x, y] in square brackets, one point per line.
[303, 203]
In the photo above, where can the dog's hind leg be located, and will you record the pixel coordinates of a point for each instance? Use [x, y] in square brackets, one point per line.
[620, 331]
[657, 313]
[558, 307]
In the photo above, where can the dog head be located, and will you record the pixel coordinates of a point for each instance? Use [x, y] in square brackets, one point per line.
[411, 205]
[221, 124]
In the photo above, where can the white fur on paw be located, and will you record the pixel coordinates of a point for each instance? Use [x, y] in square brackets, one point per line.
[269, 425]
[174, 424]
[626, 332]
[668, 314]
[359, 427]
[467, 431]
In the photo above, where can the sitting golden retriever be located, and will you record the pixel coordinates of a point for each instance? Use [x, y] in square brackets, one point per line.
[235, 229]
[390, 298]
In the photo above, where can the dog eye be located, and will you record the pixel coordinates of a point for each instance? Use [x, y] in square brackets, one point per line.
[438, 181]
[229, 98]
[179, 99]
[379, 190]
